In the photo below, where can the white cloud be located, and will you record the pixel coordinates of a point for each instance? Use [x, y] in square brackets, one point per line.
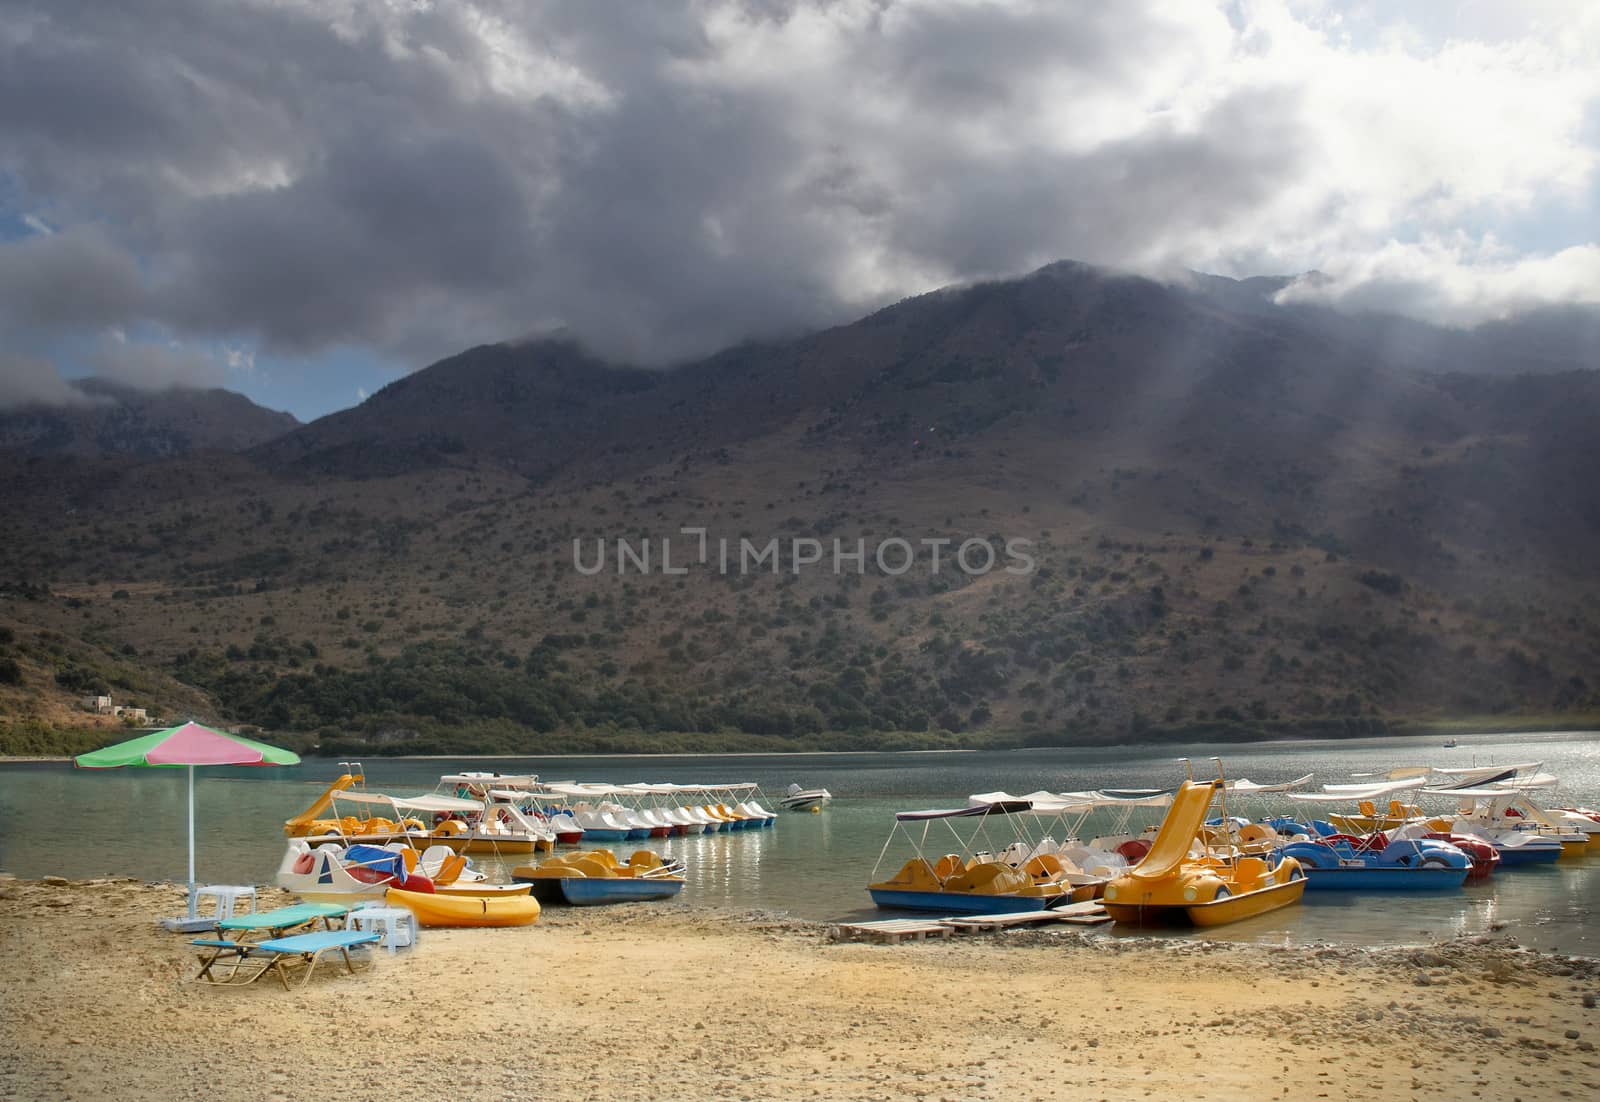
[240, 359]
[1454, 281]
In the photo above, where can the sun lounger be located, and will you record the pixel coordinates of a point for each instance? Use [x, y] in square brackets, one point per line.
[278, 955]
[284, 920]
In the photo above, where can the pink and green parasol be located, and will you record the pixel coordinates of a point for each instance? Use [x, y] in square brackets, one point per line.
[188, 744]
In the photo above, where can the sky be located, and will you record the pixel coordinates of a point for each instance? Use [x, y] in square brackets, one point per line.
[305, 199]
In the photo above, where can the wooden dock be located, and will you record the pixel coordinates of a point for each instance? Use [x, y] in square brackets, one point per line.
[1091, 912]
[892, 931]
[1088, 913]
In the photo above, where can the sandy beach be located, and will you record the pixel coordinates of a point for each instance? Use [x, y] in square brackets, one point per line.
[678, 1002]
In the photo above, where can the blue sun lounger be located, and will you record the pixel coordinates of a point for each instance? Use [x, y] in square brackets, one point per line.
[279, 955]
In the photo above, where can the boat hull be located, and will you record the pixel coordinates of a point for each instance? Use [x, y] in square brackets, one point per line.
[1233, 908]
[590, 891]
[1529, 855]
[466, 911]
[604, 835]
[493, 845]
[1384, 879]
[593, 891]
[956, 902]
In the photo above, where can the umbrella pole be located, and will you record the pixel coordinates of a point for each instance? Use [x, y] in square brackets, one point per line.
[191, 842]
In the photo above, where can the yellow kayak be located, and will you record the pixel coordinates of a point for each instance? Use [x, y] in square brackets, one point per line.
[458, 910]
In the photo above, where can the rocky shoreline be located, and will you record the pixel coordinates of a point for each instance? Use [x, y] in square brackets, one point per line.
[651, 1001]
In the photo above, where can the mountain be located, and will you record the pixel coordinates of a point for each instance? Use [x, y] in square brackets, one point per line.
[539, 407]
[118, 420]
[1247, 518]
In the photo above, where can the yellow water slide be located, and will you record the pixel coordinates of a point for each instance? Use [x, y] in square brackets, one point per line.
[301, 823]
[1184, 819]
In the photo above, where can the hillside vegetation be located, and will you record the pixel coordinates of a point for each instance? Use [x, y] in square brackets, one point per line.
[1245, 520]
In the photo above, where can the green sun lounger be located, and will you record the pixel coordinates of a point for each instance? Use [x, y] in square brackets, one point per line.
[278, 955]
[285, 919]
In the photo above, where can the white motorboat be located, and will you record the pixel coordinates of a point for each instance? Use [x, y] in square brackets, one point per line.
[804, 799]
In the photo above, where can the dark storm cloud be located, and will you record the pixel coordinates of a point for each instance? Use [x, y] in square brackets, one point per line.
[61, 281]
[660, 179]
[1116, 204]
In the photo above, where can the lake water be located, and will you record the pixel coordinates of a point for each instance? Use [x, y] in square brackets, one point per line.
[130, 822]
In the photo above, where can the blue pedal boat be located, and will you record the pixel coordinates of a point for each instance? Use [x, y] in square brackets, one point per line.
[1342, 861]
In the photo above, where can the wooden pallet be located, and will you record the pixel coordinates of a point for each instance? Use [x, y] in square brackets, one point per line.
[1077, 913]
[892, 931]
[971, 924]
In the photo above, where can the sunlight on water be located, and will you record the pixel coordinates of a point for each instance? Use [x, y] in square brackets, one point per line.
[57, 820]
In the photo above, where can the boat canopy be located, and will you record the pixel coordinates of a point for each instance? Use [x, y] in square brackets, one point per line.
[998, 807]
[1065, 803]
[1483, 792]
[1345, 793]
[1116, 798]
[1486, 771]
[527, 780]
[574, 788]
[1370, 789]
[411, 803]
[642, 788]
[1246, 787]
[1398, 773]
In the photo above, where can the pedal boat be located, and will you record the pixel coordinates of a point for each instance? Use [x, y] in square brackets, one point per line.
[1403, 859]
[1505, 818]
[596, 876]
[1374, 863]
[974, 881]
[465, 825]
[1180, 879]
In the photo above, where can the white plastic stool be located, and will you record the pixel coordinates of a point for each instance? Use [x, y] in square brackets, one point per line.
[396, 925]
[228, 898]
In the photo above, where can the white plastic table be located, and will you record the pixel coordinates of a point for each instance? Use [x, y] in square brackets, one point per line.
[396, 925]
[228, 898]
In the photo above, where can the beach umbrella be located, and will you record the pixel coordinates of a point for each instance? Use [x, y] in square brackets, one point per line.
[186, 745]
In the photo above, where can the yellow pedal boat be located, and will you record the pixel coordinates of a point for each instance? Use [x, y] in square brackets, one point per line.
[1211, 888]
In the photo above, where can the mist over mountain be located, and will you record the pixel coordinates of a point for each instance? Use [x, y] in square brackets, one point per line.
[107, 418]
[1249, 514]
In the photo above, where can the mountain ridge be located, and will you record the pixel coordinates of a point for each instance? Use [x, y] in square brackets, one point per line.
[1245, 519]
